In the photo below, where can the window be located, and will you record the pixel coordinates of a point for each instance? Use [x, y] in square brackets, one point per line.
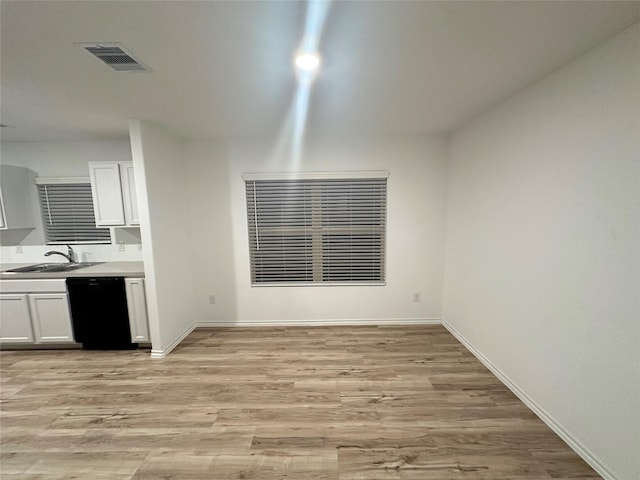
[67, 213]
[317, 229]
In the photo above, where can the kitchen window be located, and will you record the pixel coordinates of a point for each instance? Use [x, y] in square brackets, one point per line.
[317, 229]
[67, 212]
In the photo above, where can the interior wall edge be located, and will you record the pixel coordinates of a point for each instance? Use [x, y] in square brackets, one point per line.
[161, 353]
[547, 418]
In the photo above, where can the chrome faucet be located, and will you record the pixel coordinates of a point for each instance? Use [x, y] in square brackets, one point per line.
[70, 255]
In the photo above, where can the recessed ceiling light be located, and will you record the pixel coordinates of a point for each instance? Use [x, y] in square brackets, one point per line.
[308, 61]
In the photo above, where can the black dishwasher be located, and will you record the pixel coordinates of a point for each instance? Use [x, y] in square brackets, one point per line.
[99, 313]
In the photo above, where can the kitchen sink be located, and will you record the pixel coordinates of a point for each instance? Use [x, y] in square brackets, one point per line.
[67, 267]
[33, 268]
[52, 267]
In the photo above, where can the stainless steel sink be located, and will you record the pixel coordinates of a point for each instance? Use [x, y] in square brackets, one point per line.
[32, 268]
[52, 267]
[67, 267]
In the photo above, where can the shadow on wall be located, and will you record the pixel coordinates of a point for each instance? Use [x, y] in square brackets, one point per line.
[10, 238]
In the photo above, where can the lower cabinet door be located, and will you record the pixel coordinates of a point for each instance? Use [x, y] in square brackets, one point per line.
[51, 318]
[137, 307]
[15, 321]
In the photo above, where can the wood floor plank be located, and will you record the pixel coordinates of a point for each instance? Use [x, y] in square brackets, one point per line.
[334, 403]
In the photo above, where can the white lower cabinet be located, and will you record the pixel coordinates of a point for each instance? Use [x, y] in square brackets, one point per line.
[15, 320]
[137, 308]
[35, 312]
[50, 317]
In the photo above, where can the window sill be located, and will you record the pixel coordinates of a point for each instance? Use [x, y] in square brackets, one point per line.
[320, 284]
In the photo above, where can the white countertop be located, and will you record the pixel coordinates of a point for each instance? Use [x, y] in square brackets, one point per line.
[107, 269]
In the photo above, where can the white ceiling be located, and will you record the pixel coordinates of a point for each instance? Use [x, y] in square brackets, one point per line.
[225, 68]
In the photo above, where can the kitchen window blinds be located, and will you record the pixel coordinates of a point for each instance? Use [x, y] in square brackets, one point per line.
[317, 230]
[67, 214]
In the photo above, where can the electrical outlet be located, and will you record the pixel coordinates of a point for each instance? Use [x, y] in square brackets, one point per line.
[18, 248]
[416, 297]
[121, 247]
[212, 299]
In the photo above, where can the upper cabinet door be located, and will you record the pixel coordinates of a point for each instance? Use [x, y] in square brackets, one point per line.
[129, 194]
[107, 193]
[16, 187]
[3, 222]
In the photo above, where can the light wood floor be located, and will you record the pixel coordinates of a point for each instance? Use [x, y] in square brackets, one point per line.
[342, 403]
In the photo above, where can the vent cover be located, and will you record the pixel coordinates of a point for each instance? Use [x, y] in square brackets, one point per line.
[114, 55]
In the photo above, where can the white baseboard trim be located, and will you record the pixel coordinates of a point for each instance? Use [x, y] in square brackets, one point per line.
[320, 322]
[155, 354]
[573, 442]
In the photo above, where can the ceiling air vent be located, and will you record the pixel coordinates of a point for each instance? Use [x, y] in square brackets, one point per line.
[114, 55]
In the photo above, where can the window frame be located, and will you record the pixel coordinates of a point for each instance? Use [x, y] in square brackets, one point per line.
[318, 262]
[42, 183]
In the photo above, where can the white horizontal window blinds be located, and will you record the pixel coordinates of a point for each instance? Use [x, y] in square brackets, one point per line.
[67, 214]
[317, 230]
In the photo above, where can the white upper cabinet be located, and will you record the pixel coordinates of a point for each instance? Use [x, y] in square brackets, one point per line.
[16, 188]
[3, 221]
[107, 193]
[114, 194]
[128, 181]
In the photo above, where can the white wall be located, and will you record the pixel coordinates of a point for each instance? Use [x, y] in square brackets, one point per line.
[212, 244]
[162, 195]
[60, 159]
[84, 253]
[414, 242]
[543, 248]
[63, 159]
